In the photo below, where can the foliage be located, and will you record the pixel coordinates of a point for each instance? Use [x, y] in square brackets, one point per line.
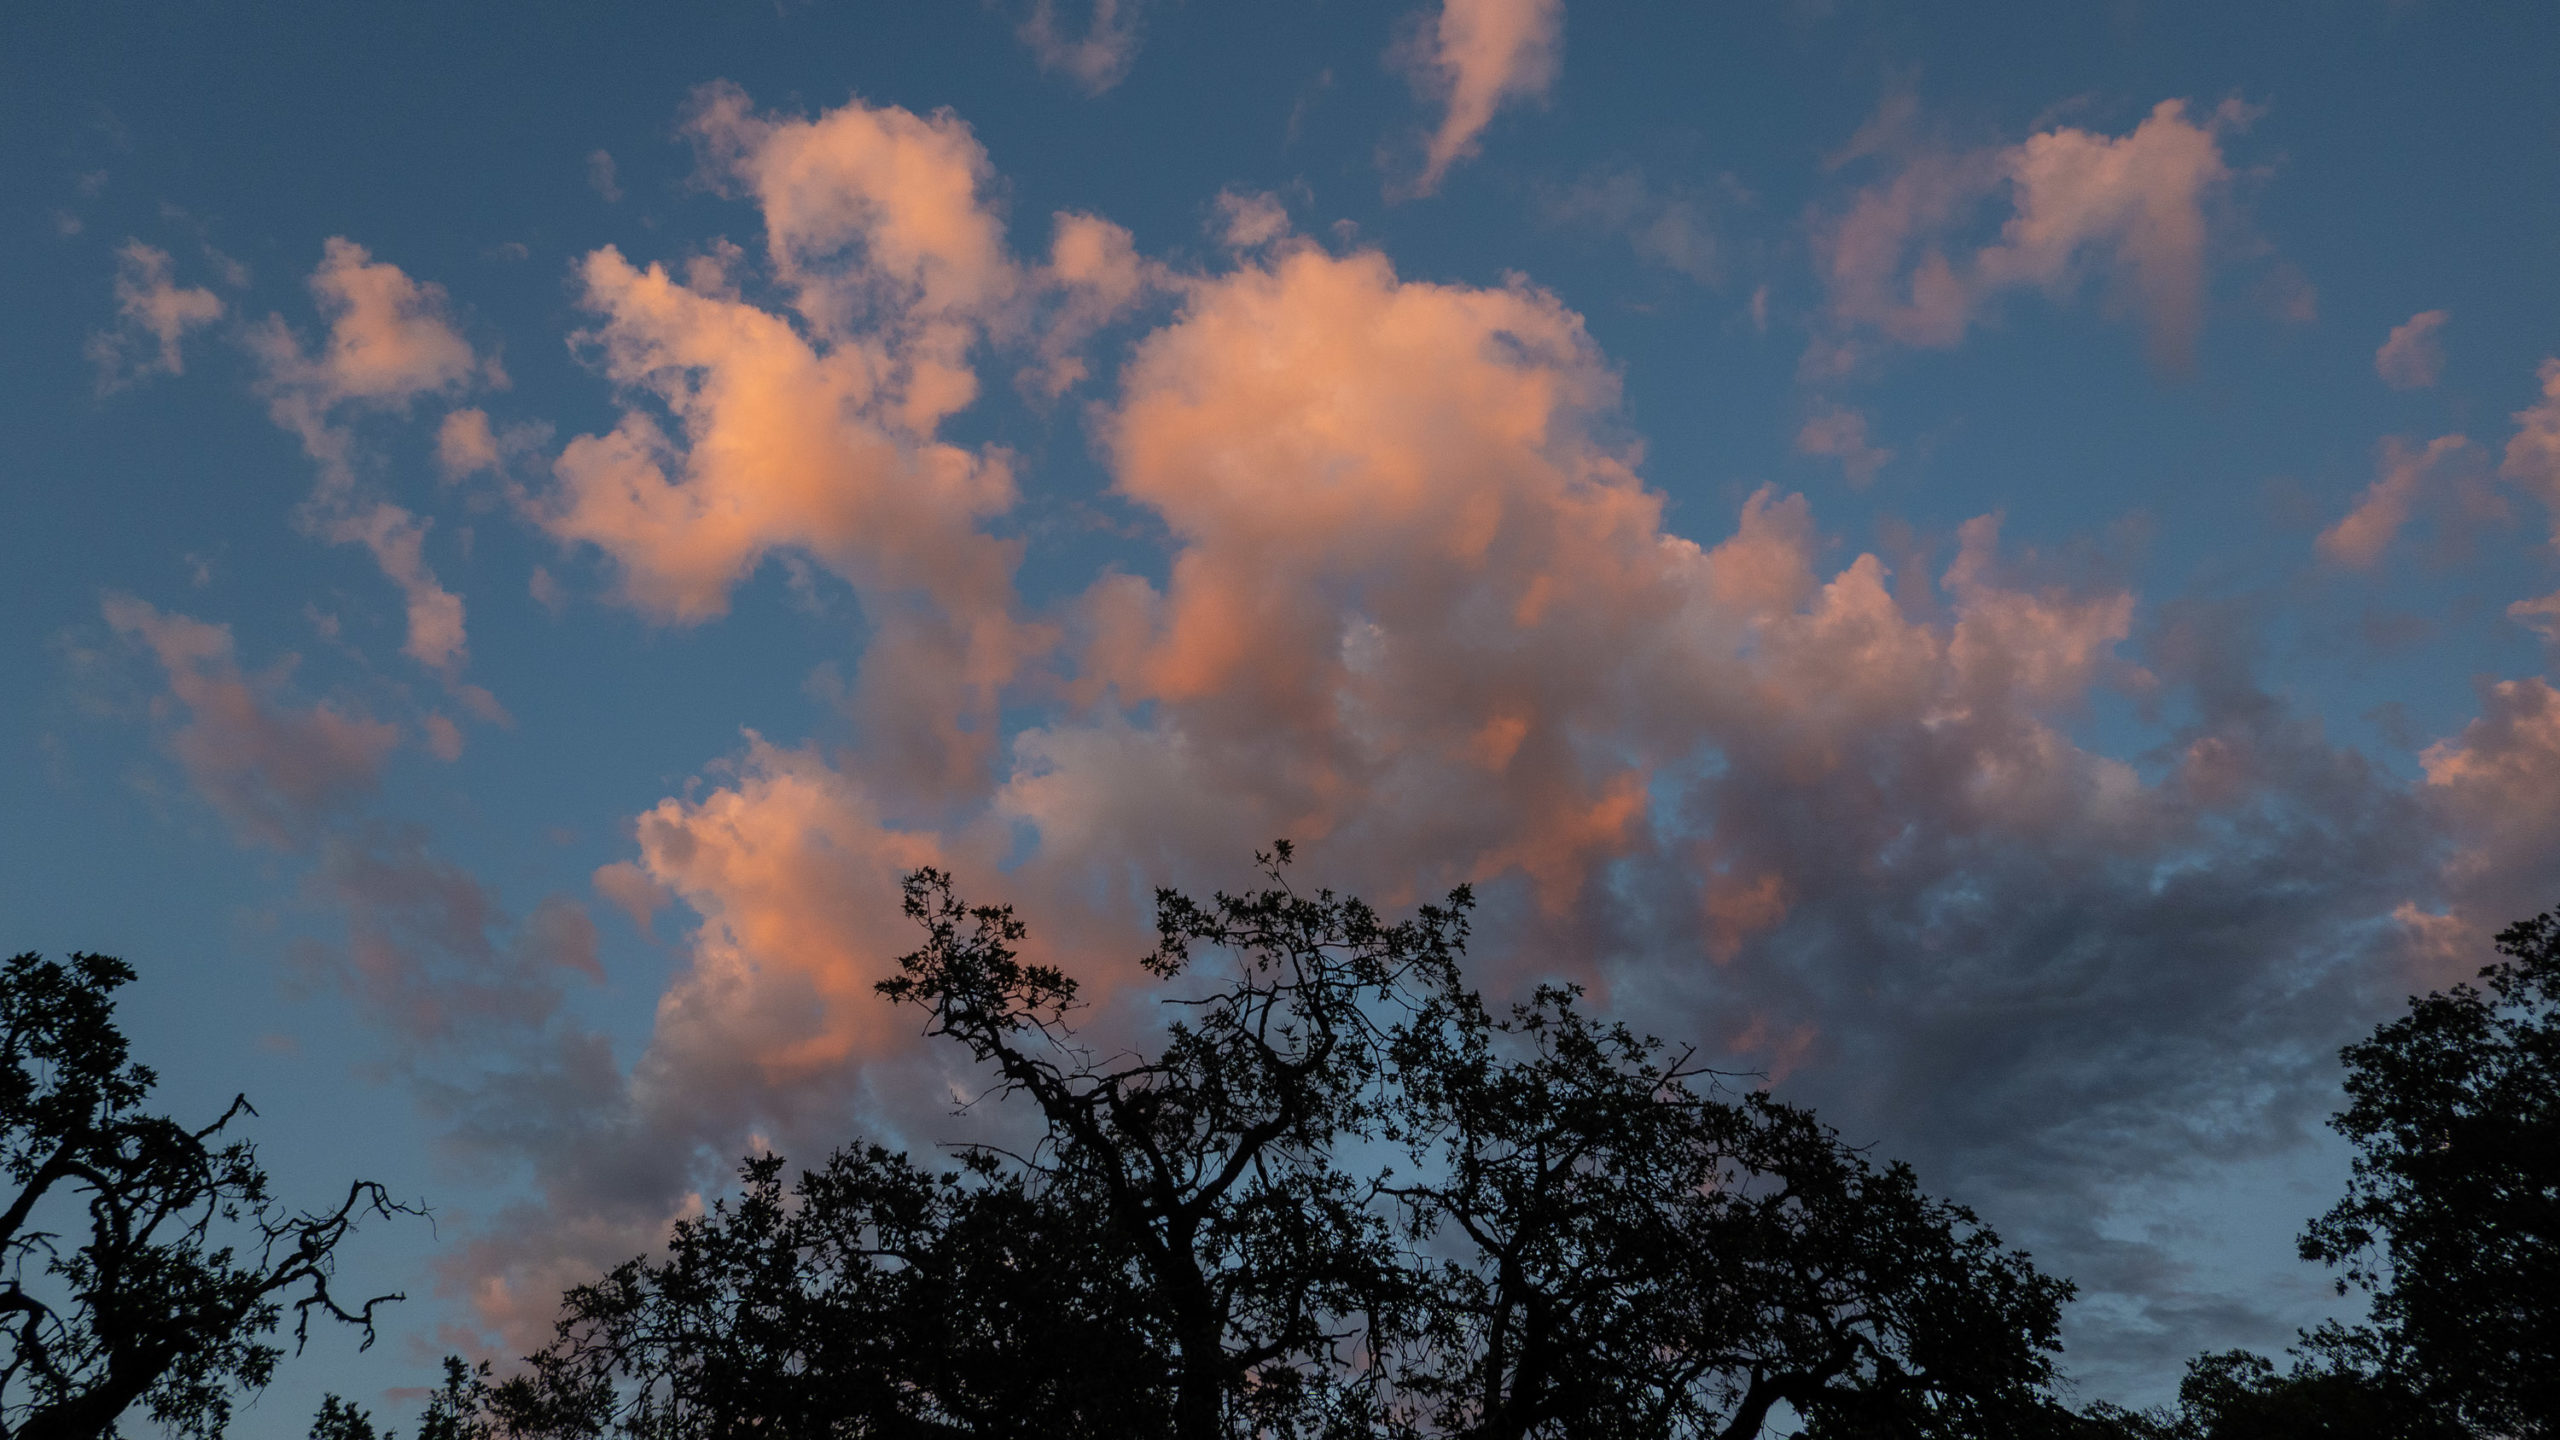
[182, 1263]
[2237, 1395]
[2451, 1220]
[1216, 1239]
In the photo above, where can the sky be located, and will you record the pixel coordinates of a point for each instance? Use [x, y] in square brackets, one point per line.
[1993, 566]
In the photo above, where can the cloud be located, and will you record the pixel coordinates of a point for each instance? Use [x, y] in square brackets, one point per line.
[391, 342]
[430, 955]
[154, 313]
[1840, 433]
[601, 177]
[1250, 221]
[2496, 786]
[1422, 615]
[1418, 610]
[2533, 455]
[2130, 210]
[1096, 60]
[1477, 56]
[814, 430]
[2410, 477]
[1669, 228]
[274, 771]
[2413, 358]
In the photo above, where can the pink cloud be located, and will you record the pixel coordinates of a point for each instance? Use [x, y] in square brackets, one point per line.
[794, 876]
[2533, 455]
[2132, 211]
[1096, 59]
[430, 954]
[2496, 786]
[1420, 613]
[391, 341]
[2413, 357]
[154, 313]
[1840, 433]
[1477, 56]
[815, 430]
[274, 771]
[2409, 476]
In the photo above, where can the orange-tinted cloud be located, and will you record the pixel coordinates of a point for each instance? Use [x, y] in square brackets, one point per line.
[795, 879]
[2533, 455]
[2132, 211]
[154, 313]
[1096, 59]
[2409, 476]
[2413, 357]
[1840, 433]
[2496, 786]
[1477, 56]
[274, 771]
[391, 342]
[815, 429]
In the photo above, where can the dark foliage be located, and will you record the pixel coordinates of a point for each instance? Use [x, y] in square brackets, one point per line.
[2451, 1222]
[2452, 1218]
[1636, 1258]
[178, 1263]
[2235, 1395]
[1217, 1239]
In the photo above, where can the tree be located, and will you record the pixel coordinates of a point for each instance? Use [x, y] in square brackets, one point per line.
[872, 1298]
[174, 1263]
[2237, 1395]
[1217, 1238]
[1635, 1257]
[2451, 1220]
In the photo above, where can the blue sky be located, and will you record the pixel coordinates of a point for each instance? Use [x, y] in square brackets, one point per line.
[489, 688]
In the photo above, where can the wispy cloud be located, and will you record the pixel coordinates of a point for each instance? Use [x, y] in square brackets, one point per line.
[1473, 58]
[391, 342]
[276, 771]
[1096, 58]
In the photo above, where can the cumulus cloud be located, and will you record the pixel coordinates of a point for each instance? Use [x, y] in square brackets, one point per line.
[1475, 57]
[391, 341]
[1839, 433]
[814, 429]
[1419, 611]
[2413, 357]
[2497, 787]
[2131, 211]
[1096, 59]
[153, 314]
[274, 770]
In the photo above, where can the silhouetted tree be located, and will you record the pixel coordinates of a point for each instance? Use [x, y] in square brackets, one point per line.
[872, 1298]
[2236, 1395]
[172, 1264]
[1636, 1258]
[2451, 1220]
[1210, 1241]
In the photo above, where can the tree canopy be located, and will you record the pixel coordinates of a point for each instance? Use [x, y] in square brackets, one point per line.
[1341, 1196]
[173, 1263]
[2451, 1220]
